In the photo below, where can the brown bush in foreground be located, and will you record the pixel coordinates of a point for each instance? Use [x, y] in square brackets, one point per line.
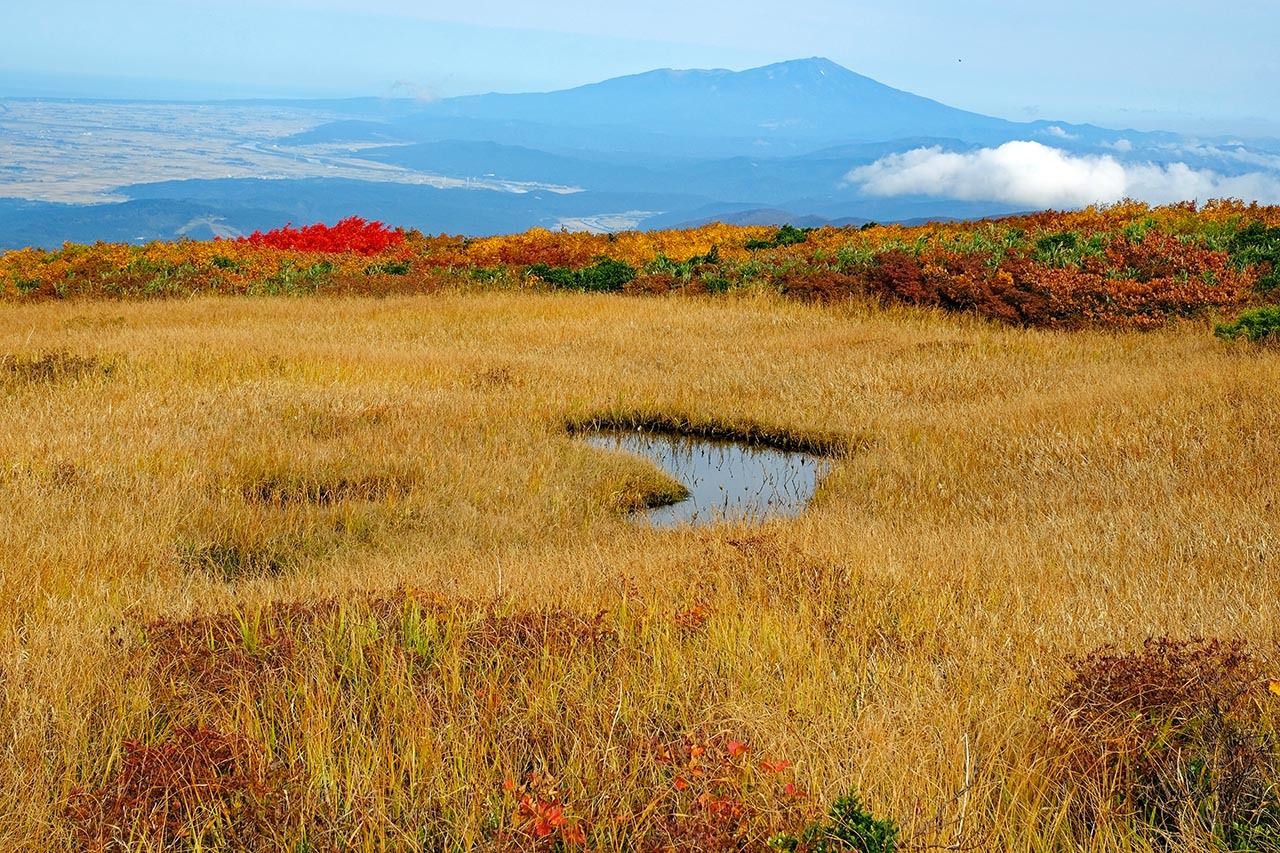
[1174, 738]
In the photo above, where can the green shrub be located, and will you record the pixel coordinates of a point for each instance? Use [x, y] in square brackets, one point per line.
[1066, 249]
[849, 828]
[1258, 246]
[1257, 324]
[788, 235]
[683, 271]
[1137, 230]
[388, 268]
[716, 284]
[489, 275]
[292, 279]
[604, 276]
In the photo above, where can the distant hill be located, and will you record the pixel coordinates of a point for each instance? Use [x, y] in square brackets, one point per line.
[460, 158]
[427, 209]
[46, 225]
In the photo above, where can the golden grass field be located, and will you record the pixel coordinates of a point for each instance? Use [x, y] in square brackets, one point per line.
[330, 574]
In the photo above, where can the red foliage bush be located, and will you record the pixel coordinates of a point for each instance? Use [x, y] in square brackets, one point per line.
[352, 234]
[720, 797]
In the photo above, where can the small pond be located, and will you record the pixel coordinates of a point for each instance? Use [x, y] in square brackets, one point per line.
[727, 480]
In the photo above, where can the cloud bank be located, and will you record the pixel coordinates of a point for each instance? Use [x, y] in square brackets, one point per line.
[1036, 175]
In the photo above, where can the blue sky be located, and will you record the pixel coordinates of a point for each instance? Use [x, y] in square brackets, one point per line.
[1175, 65]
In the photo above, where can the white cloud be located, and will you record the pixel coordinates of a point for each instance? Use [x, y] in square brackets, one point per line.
[1122, 145]
[1055, 130]
[1028, 173]
[1234, 151]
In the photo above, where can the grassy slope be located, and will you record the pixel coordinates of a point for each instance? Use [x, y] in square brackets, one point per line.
[1025, 495]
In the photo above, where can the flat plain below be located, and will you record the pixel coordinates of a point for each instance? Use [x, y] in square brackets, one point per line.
[1003, 499]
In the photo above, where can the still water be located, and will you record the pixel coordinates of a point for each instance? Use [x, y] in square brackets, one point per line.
[727, 480]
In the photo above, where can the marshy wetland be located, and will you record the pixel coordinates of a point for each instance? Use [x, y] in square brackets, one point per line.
[330, 573]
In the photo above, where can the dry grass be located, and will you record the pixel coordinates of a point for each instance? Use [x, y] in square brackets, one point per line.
[340, 563]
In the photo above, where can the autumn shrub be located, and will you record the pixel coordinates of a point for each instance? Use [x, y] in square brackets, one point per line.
[1121, 266]
[821, 286]
[718, 796]
[1153, 255]
[1171, 738]
[959, 282]
[650, 284]
[897, 274]
[712, 794]
[1000, 297]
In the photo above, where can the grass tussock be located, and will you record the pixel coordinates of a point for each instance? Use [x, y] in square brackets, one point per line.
[331, 574]
[23, 370]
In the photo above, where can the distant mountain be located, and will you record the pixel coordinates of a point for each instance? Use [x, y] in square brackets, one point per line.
[810, 100]
[779, 109]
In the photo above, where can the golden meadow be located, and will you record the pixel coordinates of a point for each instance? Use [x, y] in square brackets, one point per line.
[330, 572]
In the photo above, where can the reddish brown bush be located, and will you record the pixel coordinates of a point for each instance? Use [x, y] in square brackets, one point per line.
[1172, 739]
[897, 274]
[821, 285]
[650, 284]
[198, 787]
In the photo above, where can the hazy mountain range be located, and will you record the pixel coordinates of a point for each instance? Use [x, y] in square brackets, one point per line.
[805, 141]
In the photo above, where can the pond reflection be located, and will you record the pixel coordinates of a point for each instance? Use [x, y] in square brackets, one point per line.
[727, 480]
